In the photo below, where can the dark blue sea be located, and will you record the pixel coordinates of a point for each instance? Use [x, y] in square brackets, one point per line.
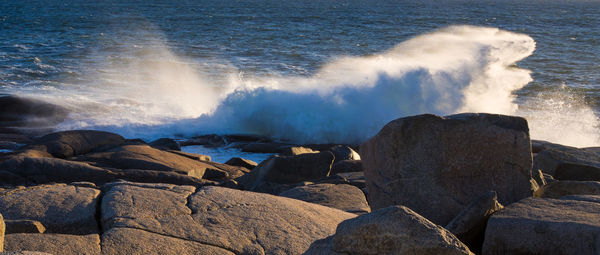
[306, 71]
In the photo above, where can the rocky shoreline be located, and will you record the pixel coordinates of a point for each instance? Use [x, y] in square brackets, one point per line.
[460, 184]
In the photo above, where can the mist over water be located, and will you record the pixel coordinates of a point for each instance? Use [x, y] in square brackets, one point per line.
[153, 92]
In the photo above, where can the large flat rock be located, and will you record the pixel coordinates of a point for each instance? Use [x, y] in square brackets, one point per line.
[544, 226]
[54, 243]
[145, 157]
[438, 165]
[126, 241]
[60, 208]
[240, 222]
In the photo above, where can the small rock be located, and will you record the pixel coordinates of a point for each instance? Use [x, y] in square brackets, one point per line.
[287, 170]
[565, 188]
[293, 151]
[241, 162]
[165, 144]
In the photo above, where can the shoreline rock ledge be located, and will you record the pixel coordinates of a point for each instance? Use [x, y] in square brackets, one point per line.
[437, 165]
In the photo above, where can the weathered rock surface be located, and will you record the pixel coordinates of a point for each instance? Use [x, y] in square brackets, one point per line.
[236, 221]
[145, 157]
[346, 166]
[66, 144]
[287, 170]
[566, 188]
[544, 226]
[391, 230]
[24, 226]
[24, 253]
[437, 165]
[340, 196]
[241, 162]
[586, 198]
[469, 224]
[54, 243]
[60, 208]
[126, 241]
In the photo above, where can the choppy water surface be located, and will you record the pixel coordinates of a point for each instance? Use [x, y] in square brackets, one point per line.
[314, 71]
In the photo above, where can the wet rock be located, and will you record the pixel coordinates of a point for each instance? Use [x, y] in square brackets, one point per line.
[577, 172]
[54, 243]
[544, 226]
[165, 144]
[346, 166]
[469, 225]
[340, 196]
[24, 226]
[287, 170]
[241, 162]
[566, 188]
[60, 208]
[206, 140]
[438, 165]
[71, 143]
[391, 230]
[237, 221]
[26, 114]
[293, 151]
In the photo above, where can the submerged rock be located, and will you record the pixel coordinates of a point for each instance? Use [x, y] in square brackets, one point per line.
[438, 165]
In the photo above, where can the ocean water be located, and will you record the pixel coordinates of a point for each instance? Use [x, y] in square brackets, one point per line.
[316, 71]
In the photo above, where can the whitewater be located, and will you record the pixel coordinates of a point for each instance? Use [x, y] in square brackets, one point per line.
[451, 70]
